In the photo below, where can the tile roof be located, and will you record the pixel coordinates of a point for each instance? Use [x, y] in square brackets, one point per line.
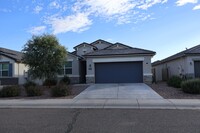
[130, 51]
[117, 43]
[100, 40]
[192, 51]
[15, 55]
[84, 43]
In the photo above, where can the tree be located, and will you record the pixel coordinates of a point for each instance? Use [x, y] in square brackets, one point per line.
[44, 56]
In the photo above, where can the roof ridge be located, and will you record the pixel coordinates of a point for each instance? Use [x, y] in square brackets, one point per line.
[191, 49]
[100, 40]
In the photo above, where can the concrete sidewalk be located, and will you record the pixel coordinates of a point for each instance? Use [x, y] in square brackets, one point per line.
[102, 103]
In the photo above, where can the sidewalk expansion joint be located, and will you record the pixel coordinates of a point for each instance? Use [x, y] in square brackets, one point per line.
[172, 103]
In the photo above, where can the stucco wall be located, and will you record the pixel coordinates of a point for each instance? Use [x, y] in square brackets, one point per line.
[186, 64]
[20, 72]
[146, 64]
[175, 67]
[190, 65]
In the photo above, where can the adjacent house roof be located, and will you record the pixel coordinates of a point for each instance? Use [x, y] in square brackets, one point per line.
[192, 51]
[130, 51]
[15, 55]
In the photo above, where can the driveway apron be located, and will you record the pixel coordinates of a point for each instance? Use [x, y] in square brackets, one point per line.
[119, 91]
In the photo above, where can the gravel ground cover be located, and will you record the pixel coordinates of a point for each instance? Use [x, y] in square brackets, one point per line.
[172, 93]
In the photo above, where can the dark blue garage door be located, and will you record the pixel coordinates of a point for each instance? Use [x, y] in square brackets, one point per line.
[119, 72]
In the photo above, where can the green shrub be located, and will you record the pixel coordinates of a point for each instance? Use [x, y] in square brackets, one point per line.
[174, 81]
[50, 82]
[10, 91]
[33, 91]
[60, 90]
[29, 83]
[65, 80]
[191, 86]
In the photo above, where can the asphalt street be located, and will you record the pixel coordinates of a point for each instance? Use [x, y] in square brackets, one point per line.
[99, 121]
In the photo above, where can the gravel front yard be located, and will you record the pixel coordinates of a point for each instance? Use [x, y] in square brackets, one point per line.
[172, 93]
[75, 90]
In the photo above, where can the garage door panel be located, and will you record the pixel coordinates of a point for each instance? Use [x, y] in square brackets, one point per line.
[119, 72]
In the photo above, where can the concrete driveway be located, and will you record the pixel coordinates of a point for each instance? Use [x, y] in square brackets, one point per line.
[119, 91]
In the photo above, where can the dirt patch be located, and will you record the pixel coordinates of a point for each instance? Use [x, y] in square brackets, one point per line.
[75, 90]
[171, 92]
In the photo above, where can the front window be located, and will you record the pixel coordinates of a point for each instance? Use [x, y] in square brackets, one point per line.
[67, 69]
[4, 70]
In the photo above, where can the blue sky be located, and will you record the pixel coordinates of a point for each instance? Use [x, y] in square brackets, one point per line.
[164, 26]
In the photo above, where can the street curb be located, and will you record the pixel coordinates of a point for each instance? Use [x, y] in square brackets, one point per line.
[102, 103]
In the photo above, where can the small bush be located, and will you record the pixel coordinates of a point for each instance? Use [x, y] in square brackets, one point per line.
[33, 91]
[50, 82]
[29, 83]
[65, 80]
[191, 86]
[10, 91]
[60, 90]
[174, 81]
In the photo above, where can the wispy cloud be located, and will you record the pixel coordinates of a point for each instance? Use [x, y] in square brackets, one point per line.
[109, 7]
[149, 3]
[37, 9]
[121, 10]
[37, 30]
[183, 2]
[79, 14]
[197, 7]
[75, 23]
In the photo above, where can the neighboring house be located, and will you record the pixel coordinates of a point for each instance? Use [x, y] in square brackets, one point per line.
[12, 71]
[184, 64]
[96, 62]
[104, 62]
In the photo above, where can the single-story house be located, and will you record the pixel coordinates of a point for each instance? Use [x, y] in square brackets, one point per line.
[12, 71]
[96, 62]
[105, 62]
[185, 64]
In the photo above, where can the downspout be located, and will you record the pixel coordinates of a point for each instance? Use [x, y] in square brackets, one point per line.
[18, 70]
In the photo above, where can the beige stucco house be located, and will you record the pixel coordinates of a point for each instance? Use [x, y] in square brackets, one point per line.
[106, 62]
[185, 64]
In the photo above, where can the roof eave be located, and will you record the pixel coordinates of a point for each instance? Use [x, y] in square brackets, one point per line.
[141, 54]
[16, 60]
[165, 61]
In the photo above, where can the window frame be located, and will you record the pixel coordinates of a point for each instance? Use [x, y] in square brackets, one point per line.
[68, 67]
[3, 69]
